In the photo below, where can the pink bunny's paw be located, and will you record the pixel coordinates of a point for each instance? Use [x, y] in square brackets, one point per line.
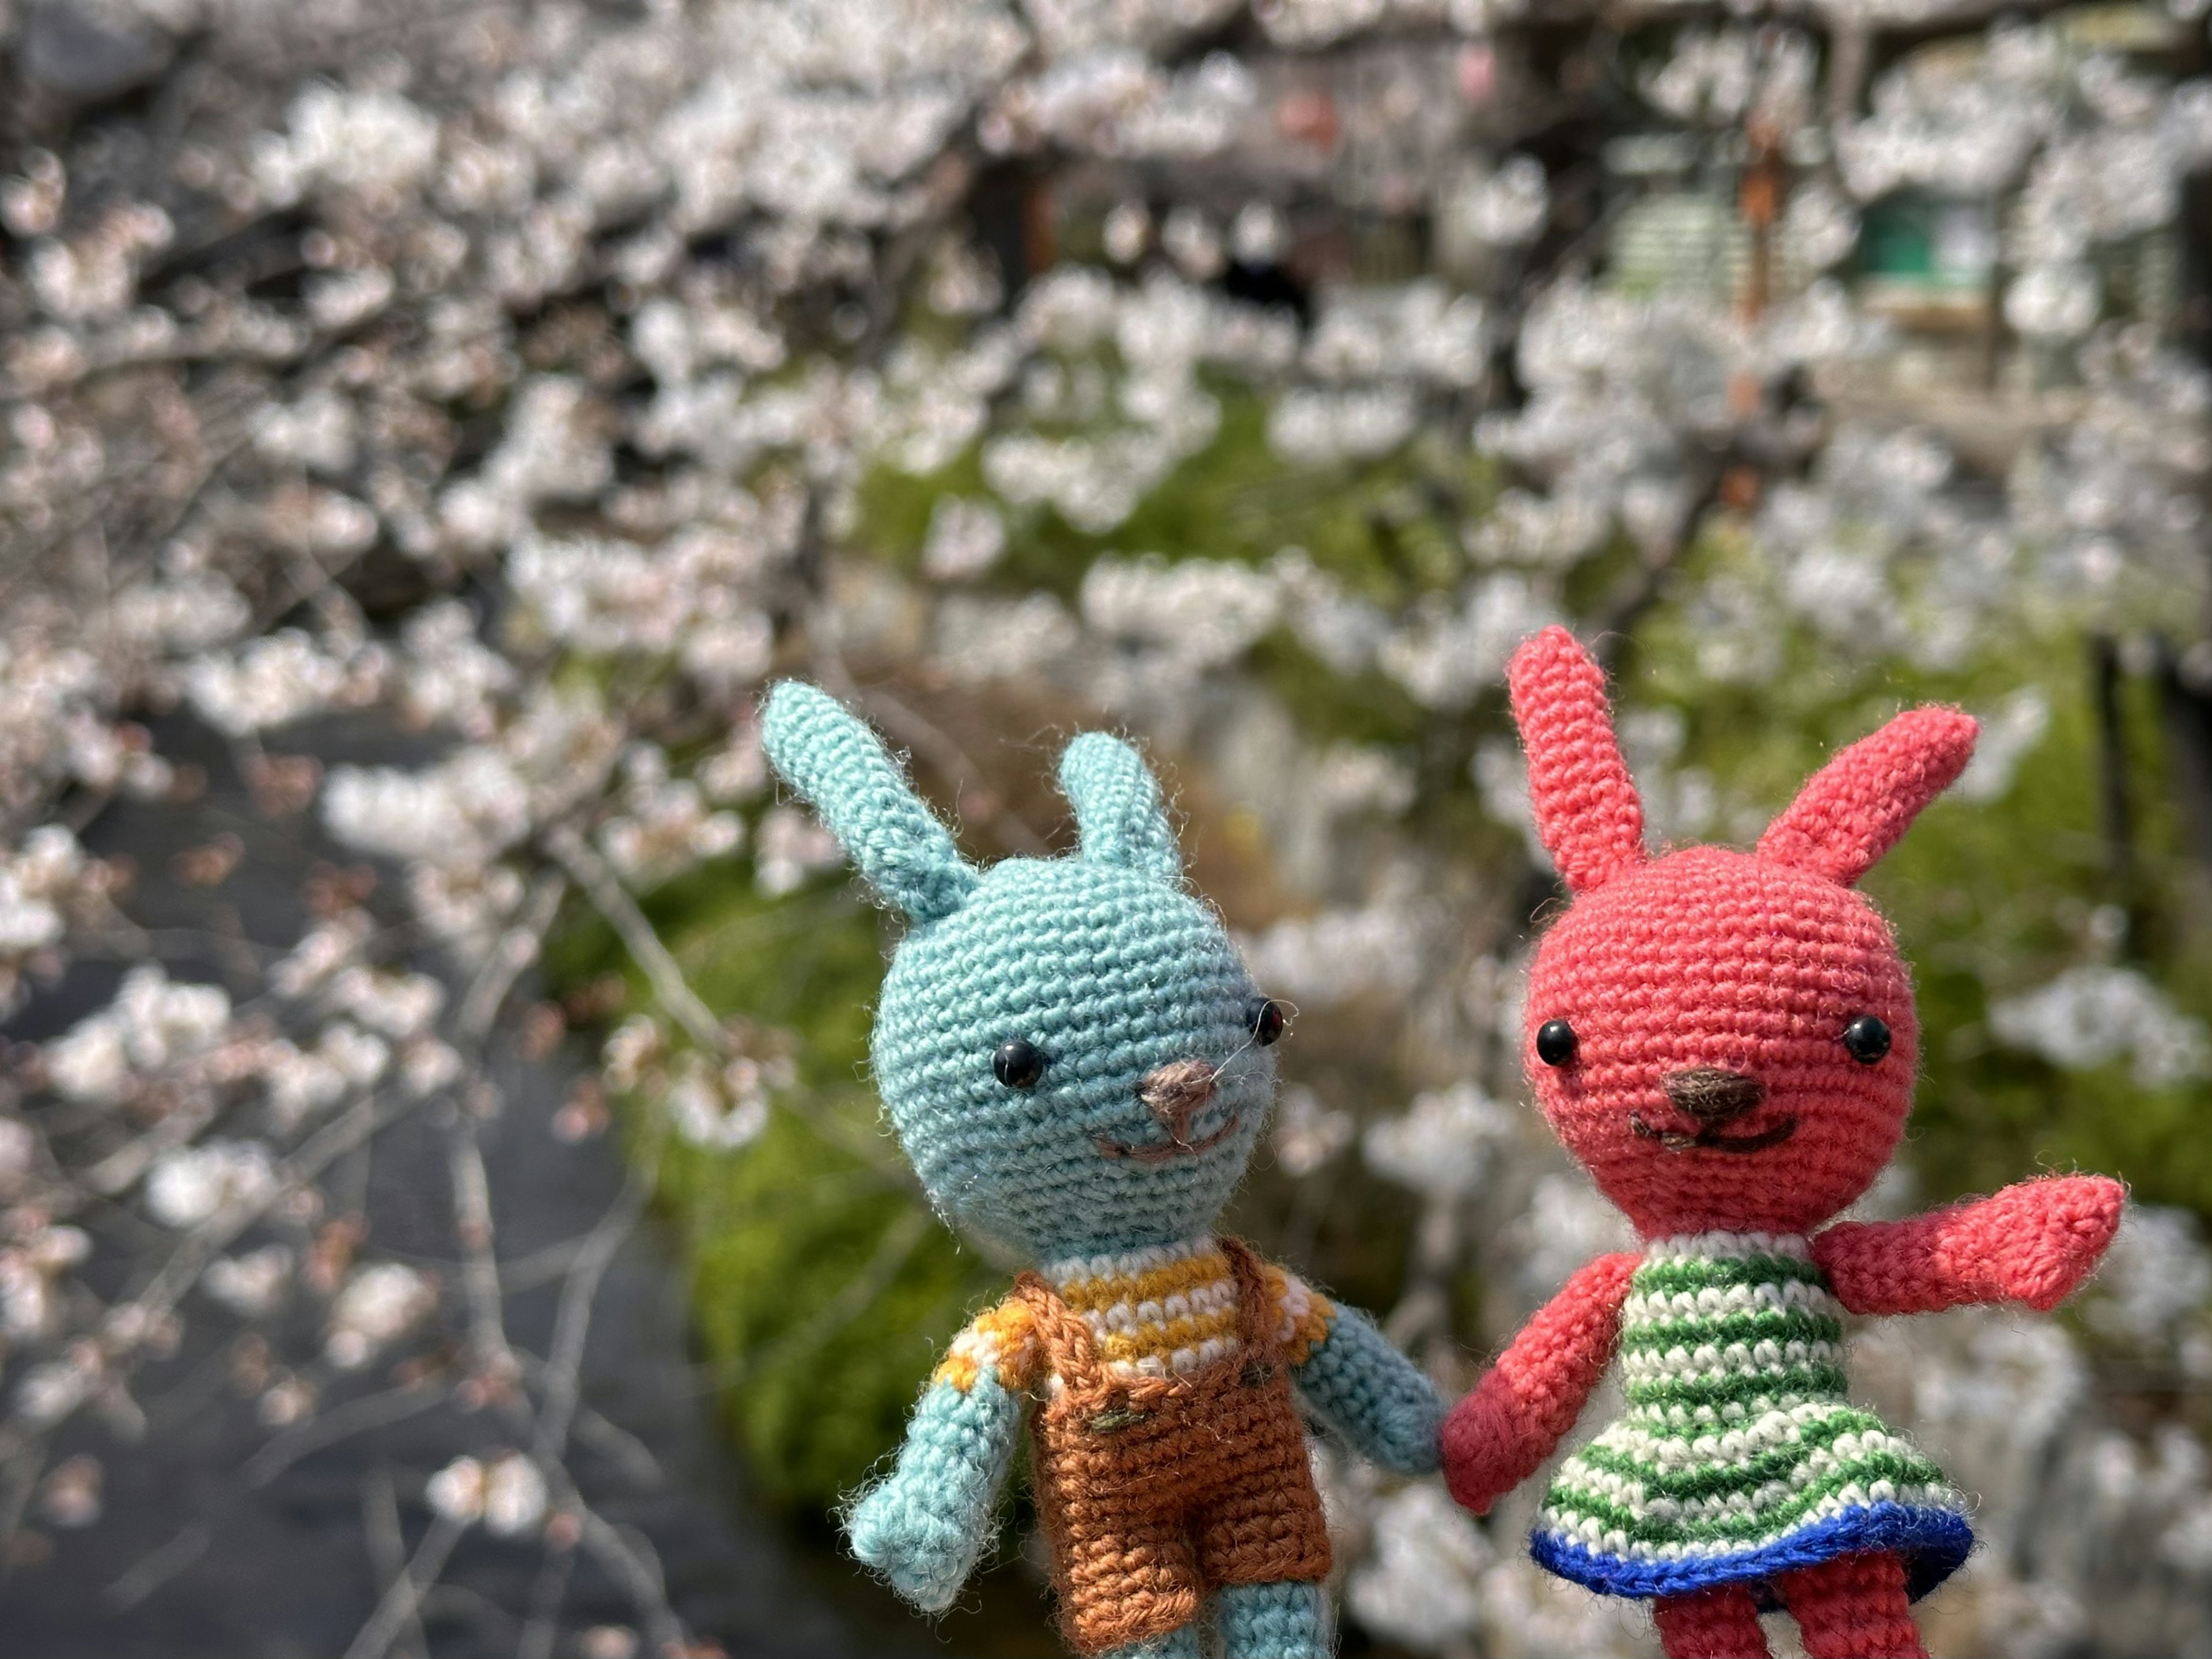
[2046, 1237]
[1482, 1449]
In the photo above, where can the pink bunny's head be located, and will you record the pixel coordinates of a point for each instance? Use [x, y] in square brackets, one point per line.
[1725, 1040]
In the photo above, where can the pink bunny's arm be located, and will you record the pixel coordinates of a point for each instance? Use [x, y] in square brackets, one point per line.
[1494, 1439]
[2032, 1242]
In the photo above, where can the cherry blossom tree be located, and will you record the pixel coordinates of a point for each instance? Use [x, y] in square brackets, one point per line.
[424, 431]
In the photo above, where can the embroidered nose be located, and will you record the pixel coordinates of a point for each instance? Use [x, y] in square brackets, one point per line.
[1175, 1094]
[1712, 1095]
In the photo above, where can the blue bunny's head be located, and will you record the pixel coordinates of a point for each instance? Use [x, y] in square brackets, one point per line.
[1071, 1050]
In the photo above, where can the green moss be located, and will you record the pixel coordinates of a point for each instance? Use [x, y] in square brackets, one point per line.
[820, 1294]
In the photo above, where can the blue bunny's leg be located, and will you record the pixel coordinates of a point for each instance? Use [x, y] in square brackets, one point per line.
[1272, 1621]
[1359, 1384]
[1175, 1644]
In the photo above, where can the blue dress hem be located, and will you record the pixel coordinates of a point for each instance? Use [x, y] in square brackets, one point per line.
[1935, 1543]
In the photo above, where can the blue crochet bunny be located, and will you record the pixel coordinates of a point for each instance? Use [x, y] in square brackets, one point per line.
[1078, 1067]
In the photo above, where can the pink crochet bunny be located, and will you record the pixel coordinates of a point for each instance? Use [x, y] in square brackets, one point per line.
[1726, 1042]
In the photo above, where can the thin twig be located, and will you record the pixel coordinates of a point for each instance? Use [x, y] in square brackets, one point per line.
[542, 1266]
[618, 1446]
[399, 1605]
[516, 950]
[115, 1172]
[157, 1566]
[375, 1411]
[629, 1558]
[490, 1355]
[369, 1115]
[612, 901]
[945, 756]
[564, 1357]
[493, 983]
[543, 1626]
[387, 1552]
[16, 1482]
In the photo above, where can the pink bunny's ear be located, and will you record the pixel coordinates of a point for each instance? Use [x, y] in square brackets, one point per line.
[1853, 809]
[1586, 805]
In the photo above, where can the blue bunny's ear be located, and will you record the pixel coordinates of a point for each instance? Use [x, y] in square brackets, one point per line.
[1118, 810]
[845, 773]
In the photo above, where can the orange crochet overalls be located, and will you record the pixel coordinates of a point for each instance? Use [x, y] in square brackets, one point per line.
[1154, 1489]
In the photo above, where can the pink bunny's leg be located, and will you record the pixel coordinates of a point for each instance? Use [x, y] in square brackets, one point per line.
[1714, 1624]
[1854, 1608]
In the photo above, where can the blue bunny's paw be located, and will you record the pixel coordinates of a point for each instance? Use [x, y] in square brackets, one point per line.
[925, 1558]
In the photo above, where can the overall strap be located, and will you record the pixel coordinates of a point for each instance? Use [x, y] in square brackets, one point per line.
[1257, 1313]
[1070, 1353]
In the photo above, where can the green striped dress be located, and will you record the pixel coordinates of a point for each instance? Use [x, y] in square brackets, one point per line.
[1739, 1457]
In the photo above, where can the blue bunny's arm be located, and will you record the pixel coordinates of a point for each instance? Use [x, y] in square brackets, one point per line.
[1358, 1383]
[924, 1524]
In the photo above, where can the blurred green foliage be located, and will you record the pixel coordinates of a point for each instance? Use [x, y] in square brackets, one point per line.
[1989, 898]
[1387, 529]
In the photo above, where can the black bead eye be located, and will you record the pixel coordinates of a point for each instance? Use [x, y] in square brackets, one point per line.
[1866, 1039]
[1018, 1065]
[1265, 1019]
[1555, 1042]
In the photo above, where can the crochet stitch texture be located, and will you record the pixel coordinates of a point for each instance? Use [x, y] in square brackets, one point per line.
[1739, 1457]
[1155, 1366]
[1155, 1487]
[1169, 1311]
[1730, 1049]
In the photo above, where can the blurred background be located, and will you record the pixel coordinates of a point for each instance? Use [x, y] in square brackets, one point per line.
[443, 1209]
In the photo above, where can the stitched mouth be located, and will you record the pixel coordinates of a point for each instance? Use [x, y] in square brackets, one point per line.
[1148, 1154]
[1684, 1140]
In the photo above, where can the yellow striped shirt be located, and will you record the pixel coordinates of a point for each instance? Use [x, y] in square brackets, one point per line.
[1168, 1310]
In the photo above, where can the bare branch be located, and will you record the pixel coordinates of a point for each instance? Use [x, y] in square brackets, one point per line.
[157, 1567]
[399, 1607]
[612, 901]
[375, 1411]
[543, 1626]
[491, 1356]
[565, 1357]
[387, 1552]
[630, 1558]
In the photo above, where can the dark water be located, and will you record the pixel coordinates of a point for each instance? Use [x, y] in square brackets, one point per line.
[282, 1569]
[193, 1561]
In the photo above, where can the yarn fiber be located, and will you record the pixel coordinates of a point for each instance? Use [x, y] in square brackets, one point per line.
[1166, 1310]
[1109, 974]
[835, 761]
[1852, 1607]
